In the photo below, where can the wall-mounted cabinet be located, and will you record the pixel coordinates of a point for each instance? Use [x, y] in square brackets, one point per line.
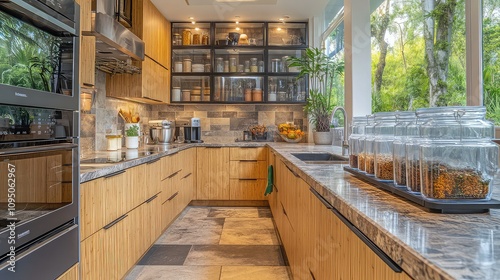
[241, 63]
[153, 84]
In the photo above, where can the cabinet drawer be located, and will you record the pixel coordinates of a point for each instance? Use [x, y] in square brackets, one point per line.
[248, 169]
[252, 153]
[241, 189]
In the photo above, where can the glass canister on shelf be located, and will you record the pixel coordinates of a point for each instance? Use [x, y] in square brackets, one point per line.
[232, 64]
[196, 39]
[357, 130]
[186, 95]
[261, 66]
[248, 94]
[404, 119]
[176, 94]
[254, 67]
[186, 64]
[362, 155]
[219, 65]
[382, 145]
[177, 39]
[204, 39]
[284, 63]
[186, 37]
[247, 66]
[457, 158]
[178, 66]
[226, 66]
[275, 65]
[257, 95]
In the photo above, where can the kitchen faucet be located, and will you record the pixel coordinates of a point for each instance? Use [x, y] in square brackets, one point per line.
[345, 143]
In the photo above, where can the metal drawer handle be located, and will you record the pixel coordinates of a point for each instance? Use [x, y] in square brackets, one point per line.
[213, 147]
[248, 179]
[110, 225]
[321, 198]
[153, 161]
[295, 174]
[173, 196]
[114, 174]
[312, 274]
[151, 198]
[381, 254]
[187, 176]
[46, 148]
[248, 160]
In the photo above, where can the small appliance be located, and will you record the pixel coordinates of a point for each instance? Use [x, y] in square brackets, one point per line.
[161, 131]
[191, 130]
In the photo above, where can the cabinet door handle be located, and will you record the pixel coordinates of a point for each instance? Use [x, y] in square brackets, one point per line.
[248, 147]
[151, 198]
[381, 254]
[110, 225]
[248, 179]
[248, 160]
[114, 174]
[153, 161]
[187, 176]
[295, 174]
[321, 198]
[213, 147]
[312, 274]
[172, 175]
[283, 208]
[173, 196]
[88, 84]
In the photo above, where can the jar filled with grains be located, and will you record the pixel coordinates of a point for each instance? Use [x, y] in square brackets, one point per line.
[404, 119]
[457, 158]
[357, 130]
[370, 122]
[382, 145]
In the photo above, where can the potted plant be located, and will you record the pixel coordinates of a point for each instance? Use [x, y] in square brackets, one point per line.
[321, 70]
[132, 136]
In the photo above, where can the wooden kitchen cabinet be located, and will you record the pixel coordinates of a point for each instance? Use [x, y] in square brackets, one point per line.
[318, 244]
[248, 173]
[87, 45]
[151, 86]
[154, 29]
[212, 173]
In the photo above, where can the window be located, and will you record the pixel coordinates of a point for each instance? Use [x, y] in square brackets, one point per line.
[491, 59]
[415, 61]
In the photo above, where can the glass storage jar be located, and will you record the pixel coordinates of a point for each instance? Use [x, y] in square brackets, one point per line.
[457, 158]
[219, 65]
[186, 64]
[177, 40]
[362, 141]
[382, 145]
[357, 130]
[403, 119]
[254, 67]
[186, 37]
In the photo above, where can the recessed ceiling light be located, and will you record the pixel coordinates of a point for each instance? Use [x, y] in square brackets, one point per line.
[191, 18]
[237, 28]
[193, 22]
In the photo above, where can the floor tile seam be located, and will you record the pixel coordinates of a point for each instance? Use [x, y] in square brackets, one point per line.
[190, 249]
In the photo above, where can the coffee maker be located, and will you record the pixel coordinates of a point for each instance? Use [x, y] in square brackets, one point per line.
[191, 129]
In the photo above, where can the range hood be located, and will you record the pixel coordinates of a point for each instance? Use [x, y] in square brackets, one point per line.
[116, 46]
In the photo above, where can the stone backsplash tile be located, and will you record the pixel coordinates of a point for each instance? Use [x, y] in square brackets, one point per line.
[219, 122]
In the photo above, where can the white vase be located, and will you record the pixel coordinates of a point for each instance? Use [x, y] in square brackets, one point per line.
[132, 142]
[323, 138]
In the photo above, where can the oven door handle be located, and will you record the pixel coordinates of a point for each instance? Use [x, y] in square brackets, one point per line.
[33, 149]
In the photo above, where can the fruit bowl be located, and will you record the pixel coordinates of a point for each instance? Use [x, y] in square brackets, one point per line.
[289, 140]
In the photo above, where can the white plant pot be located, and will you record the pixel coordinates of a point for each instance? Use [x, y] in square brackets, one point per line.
[323, 138]
[128, 125]
[132, 142]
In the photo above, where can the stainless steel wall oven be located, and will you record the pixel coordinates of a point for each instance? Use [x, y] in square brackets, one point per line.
[39, 138]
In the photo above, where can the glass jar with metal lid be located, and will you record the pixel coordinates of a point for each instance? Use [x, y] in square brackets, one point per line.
[457, 158]
[186, 37]
[382, 145]
[370, 122]
[177, 39]
[357, 130]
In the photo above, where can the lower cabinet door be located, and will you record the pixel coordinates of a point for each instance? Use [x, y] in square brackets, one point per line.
[247, 189]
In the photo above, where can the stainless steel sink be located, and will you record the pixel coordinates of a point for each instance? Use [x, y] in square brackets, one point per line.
[321, 158]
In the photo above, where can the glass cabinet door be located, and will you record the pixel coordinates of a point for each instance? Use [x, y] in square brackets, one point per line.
[241, 34]
[277, 60]
[287, 34]
[188, 34]
[285, 89]
[239, 60]
[190, 89]
[238, 89]
[191, 60]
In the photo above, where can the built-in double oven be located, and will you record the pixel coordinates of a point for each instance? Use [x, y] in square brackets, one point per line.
[39, 138]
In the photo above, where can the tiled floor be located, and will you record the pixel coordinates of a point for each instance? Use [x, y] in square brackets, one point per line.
[212, 243]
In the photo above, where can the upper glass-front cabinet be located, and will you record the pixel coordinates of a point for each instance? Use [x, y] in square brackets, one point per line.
[188, 34]
[287, 34]
[241, 34]
[226, 62]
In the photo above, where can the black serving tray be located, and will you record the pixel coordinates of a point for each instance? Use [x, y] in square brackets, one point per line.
[448, 207]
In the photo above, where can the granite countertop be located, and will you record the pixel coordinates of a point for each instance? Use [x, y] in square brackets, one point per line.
[426, 245]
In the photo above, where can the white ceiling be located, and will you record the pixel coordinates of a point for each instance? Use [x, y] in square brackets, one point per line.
[218, 10]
